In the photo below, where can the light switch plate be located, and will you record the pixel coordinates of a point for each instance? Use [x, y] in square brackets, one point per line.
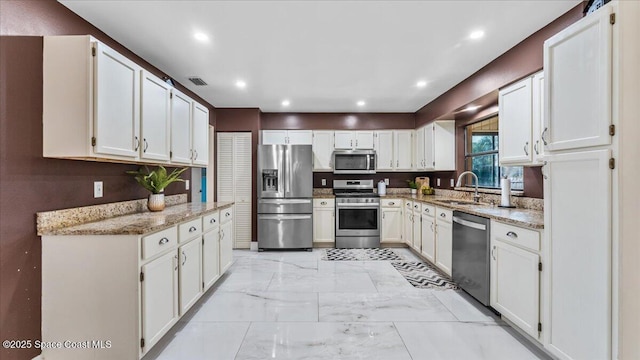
[386, 181]
[438, 182]
[97, 189]
[324, 182]
[453, 183]
[186, 184]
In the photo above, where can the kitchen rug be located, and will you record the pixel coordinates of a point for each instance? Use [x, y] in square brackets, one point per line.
[360, 255]
[424, 276]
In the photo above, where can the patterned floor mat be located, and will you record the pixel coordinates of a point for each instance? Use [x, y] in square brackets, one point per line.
[424, 276]
[360, 255]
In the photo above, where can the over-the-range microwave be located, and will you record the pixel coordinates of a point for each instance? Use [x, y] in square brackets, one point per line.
[354, 162]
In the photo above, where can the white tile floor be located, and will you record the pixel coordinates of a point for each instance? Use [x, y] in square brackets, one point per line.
[293, 305]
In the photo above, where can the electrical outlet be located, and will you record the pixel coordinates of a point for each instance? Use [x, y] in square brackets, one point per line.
[453, 184]
[438, 182]
[97, 189]
[386, 181]
[186, 184]
[324, 182]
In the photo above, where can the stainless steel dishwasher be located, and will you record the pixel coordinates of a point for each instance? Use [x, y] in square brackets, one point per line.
[471, 251]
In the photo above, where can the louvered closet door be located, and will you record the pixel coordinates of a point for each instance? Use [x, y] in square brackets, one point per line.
[225, 167]
[242, 192]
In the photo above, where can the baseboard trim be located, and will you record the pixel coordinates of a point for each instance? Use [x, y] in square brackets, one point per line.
[254, 246]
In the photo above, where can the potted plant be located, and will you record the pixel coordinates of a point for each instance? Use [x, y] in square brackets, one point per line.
[155, 181]
[413, 186]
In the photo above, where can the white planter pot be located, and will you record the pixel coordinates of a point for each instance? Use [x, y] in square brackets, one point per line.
[155, 202]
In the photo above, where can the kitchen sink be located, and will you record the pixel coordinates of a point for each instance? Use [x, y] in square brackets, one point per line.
[458, 202]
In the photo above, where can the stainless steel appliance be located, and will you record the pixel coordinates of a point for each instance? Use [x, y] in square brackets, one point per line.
[354, 162]
[285, 191]
[357, 214]
[471, 251]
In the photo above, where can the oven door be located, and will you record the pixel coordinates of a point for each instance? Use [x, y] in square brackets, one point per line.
[354, 219]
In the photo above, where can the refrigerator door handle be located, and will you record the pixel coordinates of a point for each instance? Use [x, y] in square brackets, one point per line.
[284, 217]
[284, 201]
[287, 171]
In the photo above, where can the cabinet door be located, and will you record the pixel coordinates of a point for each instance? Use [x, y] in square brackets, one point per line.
[428, 238]
[577, 64]
[344, 140]
[181, 107]
[323, 225]
[577, 232]
[538, 118]
[515, 121]
[226, 246]
[159, 297]
[429, 147]
[155, 117]
[274, 137]
[299, 137]
[210, 257]
[515, 285]
[418, 147]
[384, 150]
[408, 227]
[391, 229]
[364, 140]
[322, 150]
[444, 145]
[117, 104]
[417, 231]
[190, 256]
[403, 141]
[444, 246]
[200, 134]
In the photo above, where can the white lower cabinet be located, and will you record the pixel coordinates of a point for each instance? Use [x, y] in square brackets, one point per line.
[428, 224]
[444, 240]
[159, 297]
[210, 258]
[417, 227]
[408, 223]
[324, 221]
[391, 228]
[190, 270]
[226, 245]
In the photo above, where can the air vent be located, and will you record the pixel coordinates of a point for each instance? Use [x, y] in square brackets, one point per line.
[198, 81]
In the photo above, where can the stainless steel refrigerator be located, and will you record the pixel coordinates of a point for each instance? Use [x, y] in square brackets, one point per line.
[285, 197]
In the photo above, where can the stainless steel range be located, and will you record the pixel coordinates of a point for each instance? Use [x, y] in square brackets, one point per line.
[357, 214]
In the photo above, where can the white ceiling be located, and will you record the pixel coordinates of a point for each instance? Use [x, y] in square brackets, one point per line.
[323, 56]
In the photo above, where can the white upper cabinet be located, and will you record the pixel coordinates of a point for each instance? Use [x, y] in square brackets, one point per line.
[300, 137]
[577, 63]
[419, 153]
[274, 137]
[322, 150]
[403, 149]
[384, 151]
[435, 146]
[200, 134]
[351, 140]
[180, 128]
[515, 122]
[538, 118]
[287, 137]
[155, 118]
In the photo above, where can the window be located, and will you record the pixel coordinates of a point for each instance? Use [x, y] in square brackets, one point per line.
[481, 156]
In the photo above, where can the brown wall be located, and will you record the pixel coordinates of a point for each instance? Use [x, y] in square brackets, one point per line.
[30, 183]
[337, 121]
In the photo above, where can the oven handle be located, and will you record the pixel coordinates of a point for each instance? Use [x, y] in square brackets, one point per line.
[469, 223]
[371, 205]
[284, 217]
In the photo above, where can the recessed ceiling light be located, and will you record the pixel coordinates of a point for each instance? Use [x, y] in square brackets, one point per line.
[471, 108]
[201, 36]
[476, 34]
[360, 103]
[241, 84]
[286, 102]
[421, 84]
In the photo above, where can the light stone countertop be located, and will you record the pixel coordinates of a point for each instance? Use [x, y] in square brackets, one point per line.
[141, 223]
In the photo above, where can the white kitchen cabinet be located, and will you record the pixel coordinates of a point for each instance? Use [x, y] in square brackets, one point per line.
[444, 240]
[324, 221]
[226, 240]
[437, 147]
[190, 270]
[287, 137]
[385, 152]
[210, 257]
[515, 275]
[538, 118]
[428, 249]
[200, 134]
[577, 88]
[419, 156]
[180, 128]
[515, 123]
[391, 228]
[417, 227]
[407, 232]
[155, 118]
[322, 145]
[354, 140]
[403, 149]
[159, 297]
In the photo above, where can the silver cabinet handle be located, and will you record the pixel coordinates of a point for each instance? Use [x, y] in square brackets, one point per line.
[415, 206]
[175, 259]
[426, 210]
[432, 227]
[185, 258]
[137, 141]
[392, 203]
[221, 233]
[191, 154]
[323, 203]
[146, 145]
[212, 221]
[351, 143]
[383, 215]
[542, 136]
[227, 214]
[192, 229]
[397, 163]
[493, 253]
[196, 151]
[356, 143]
[535, 147]
[513, 235]
[526, 148]
[163, 241]
[443, 215]
[390, 163]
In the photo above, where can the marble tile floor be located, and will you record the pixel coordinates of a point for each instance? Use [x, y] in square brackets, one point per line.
[293, 305]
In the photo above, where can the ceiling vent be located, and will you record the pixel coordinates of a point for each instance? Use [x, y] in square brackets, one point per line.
[198, 81]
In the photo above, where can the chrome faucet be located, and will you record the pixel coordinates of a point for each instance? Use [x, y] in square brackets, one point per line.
[476, 197]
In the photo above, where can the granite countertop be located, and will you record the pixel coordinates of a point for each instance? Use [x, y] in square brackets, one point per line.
[141, 223]
[533, 219]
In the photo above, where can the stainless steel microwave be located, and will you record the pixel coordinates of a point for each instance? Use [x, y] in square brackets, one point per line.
[354, 162]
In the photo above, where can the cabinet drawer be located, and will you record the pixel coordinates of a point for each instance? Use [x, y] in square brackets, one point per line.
[324, 203]
[408, 205]
[443, 214]
[428, 210]
[189, 230]
[210, 221]
[529, 239]
[226, 215]
[391, 202]
[156, 243]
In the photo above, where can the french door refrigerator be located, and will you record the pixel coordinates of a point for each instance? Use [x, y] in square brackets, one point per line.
[285, 197]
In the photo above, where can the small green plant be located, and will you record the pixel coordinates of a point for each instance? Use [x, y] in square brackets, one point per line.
[412, 184]
[156, 180]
